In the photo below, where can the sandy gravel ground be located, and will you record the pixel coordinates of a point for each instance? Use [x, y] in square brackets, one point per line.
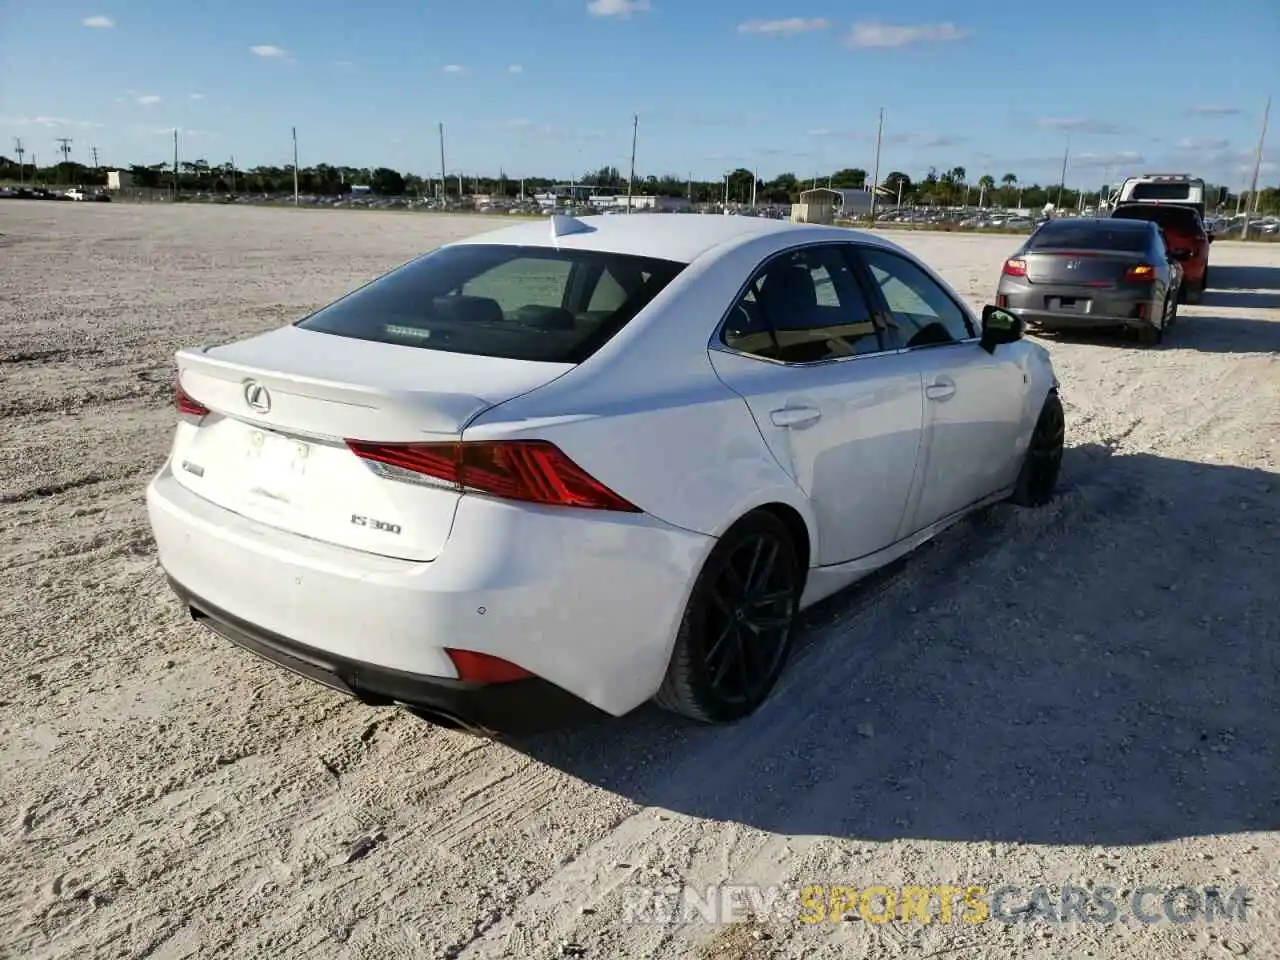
[1085, 694]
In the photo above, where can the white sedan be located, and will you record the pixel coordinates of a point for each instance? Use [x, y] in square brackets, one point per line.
[571, 466]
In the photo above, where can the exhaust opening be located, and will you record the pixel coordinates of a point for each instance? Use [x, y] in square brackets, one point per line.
[449, 721]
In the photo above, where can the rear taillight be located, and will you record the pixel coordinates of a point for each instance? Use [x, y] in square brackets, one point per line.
[1140, 273]
[532, 471]
[185, 403]
[1015, 267]
[475, 667]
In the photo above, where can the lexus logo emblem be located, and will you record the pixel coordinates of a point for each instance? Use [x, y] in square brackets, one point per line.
[257, 397]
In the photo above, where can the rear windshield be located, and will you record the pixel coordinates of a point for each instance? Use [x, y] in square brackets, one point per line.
[498, 300]
[1176, 218]
[1161, 191]
[1090, 235]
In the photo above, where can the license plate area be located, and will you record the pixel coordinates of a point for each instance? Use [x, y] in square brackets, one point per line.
[274, 464]
[1068, 304]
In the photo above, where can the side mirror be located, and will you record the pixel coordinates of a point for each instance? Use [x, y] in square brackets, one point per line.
[999, 326]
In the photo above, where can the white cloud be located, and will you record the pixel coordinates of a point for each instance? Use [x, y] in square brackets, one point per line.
[50, 122]
[932, 141]
[515, 68]
[1213, 110]
[616, 8]
[268, 50]
[791, 25]
[148, 100]
[455, 68]
[1203, 143]
[1119, 158]
[196, 96]
[820, 132]
[98, 23]
[872, 34]
[1078, 125]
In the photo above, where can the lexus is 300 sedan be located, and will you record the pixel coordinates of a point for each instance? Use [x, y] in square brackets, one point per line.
[572, 466]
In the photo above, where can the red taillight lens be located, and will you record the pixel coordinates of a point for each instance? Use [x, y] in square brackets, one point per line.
[475, 667]
[533, 471]
[185, 403]
[1141, 273]
[1015, 267]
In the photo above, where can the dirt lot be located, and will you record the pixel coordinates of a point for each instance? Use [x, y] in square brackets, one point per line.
[1086, 694]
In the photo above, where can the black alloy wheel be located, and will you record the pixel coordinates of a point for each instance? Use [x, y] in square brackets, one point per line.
[737, 629]
[1039, 476]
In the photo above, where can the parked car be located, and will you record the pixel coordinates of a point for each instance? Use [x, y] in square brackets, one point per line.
[1089, 272]
[1186, 237]
[562, 469]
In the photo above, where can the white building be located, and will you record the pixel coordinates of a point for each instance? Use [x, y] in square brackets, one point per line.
[119, 180]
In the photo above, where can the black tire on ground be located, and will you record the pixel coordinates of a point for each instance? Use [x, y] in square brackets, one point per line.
[1193, 293]
[1043, 462]
[737, 629]
[1204, 280]
[1171, 319]
[1149, 335]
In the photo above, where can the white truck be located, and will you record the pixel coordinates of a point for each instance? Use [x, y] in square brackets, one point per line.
[1172, 188]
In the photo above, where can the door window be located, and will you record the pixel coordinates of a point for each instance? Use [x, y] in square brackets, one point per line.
[923, 312]
[803, 307]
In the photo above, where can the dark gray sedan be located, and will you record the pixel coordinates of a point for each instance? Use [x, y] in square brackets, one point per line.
[1085, 273]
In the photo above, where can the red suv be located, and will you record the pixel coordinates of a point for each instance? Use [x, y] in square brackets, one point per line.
[1184, 235]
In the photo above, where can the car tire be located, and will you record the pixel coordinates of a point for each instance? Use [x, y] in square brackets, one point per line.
[736, 634]
[1192, 293]
[1042, 464]
[1171, 318]
[1204, 280]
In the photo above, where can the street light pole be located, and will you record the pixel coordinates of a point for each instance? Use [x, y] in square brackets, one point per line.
[1257, 167]
[635, 126]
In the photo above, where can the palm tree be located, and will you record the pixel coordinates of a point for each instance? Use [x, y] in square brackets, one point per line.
[1009, 179]
[957, 178]
[985, 182]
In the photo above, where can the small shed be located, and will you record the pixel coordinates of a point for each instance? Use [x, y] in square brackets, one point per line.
[826, 204]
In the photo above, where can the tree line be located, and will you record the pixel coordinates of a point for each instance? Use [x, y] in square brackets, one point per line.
[950, 186]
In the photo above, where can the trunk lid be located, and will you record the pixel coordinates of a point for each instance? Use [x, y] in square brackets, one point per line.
[282, 405]
[1085, 268]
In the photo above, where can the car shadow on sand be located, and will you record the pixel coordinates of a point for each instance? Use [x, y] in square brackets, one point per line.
[1208, 334]
[1100, 671]
[1266, 279]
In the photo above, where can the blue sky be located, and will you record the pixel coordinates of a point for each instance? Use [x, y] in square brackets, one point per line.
[548, 87]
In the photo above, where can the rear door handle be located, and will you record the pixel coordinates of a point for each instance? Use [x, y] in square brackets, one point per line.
[943, 388]
[794, 416]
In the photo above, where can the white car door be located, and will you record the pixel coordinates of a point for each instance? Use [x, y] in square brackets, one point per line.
[838, 407]
[974, 401]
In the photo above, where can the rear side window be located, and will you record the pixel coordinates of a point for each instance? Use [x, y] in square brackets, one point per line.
[1091, 235]
[1160, 191]
[496, 300]
[803, 307]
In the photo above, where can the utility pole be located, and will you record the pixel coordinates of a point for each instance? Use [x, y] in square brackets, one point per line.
[175, 163]
[875, 170]
[690, 187]
[1257, 166]
[443, 191]
[295, 166]
[233, 174]
[1063, 179]
[726, 191]
[755, 178]
[95, 157]
[64, 148]
[631, 180]
[17, 148]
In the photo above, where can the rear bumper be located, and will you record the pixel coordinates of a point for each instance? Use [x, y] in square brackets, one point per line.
[1096, 308]
[522, 706]
[589, 604]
